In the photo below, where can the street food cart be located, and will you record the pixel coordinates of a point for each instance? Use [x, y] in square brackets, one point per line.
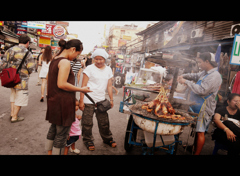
[160, 132]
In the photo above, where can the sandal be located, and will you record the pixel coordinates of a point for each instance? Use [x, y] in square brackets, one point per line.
[113, 144]
[18, 120]
[90, 146]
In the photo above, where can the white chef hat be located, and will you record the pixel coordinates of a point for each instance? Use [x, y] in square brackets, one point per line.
[100, 52]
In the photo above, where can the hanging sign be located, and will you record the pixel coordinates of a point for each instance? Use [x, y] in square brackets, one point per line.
[48, 31]
[35, 24]
[235, 56]
[58, 31]
[19, 29]
[44, 41]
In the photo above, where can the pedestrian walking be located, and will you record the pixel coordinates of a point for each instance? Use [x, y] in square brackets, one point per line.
[98, 77]
[227, 119]
[75, 133]
[113, 67]
[46, 58]
[61, 95]
[13, 57]
[39, 66]
[204, 92]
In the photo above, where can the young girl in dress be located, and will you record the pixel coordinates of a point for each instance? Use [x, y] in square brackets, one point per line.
[45, 59]
[75, 133]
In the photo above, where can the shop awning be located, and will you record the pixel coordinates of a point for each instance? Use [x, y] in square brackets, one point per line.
[228, 41]
[10, 37]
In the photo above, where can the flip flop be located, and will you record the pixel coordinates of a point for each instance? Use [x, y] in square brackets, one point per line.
[110, 143]
[90, 146]
[18, 120]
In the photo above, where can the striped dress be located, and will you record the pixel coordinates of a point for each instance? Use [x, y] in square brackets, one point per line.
[75, 69]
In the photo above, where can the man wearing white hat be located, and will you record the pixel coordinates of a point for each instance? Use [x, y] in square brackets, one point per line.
[204, 92]
[98, 77]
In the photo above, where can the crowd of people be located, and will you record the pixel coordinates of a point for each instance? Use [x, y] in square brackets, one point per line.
[61, 73]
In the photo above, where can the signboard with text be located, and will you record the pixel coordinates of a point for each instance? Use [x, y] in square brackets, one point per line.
[48, 31]
[44, 41]
[35, 24]
[19, 29]
[121, 42]
[235, 56]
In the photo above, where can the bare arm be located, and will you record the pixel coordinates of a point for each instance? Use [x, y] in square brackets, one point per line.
[40, 61]
[84, 83]
[79, 74]
[110, 93]
[64, 69]
[218, 122]
[113, 71]
[230, 135]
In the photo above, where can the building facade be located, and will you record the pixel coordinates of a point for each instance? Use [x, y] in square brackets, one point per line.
[187, 38]
[120, 36]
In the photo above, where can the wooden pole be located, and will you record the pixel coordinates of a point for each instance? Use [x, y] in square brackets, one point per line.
[174, 85]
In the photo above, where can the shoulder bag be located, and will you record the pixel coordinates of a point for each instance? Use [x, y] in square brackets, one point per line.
[102, 106]
[10, 76]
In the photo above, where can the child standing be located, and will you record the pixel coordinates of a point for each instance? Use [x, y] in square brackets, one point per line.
[74, 134]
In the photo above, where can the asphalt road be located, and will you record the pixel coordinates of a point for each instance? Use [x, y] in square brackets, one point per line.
[28, 137]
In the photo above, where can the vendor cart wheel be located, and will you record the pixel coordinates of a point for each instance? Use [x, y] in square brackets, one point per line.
[127, 146]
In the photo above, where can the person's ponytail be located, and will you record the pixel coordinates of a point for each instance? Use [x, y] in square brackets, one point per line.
[62, 44]
[71, 43]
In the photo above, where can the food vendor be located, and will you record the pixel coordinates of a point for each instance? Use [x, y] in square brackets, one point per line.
[203, 93]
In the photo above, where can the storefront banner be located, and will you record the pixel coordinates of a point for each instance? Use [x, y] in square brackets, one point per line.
[111, 52]
[35, 24]
[55, 48]
[19, 29]
[235, 56]
[121, 42]
[126, 37]
[59, 31]
[44, 40]
[48, 31]
[54, 43]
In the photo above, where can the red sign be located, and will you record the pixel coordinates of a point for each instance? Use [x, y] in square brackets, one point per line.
[111, 52]
[42, 45]
[55, 47]
[1, 23]
[48, 31]
[121, 42]
[58, 31]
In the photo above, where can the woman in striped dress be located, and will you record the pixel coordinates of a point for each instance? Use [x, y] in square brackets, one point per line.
[77, 69]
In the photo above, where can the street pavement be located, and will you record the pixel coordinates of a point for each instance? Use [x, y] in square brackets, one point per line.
[28, 137]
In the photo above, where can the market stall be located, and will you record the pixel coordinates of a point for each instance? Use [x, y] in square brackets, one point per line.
[160, 118]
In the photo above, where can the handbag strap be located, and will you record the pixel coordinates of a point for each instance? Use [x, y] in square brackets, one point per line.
[20, 66]
[90, 98]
